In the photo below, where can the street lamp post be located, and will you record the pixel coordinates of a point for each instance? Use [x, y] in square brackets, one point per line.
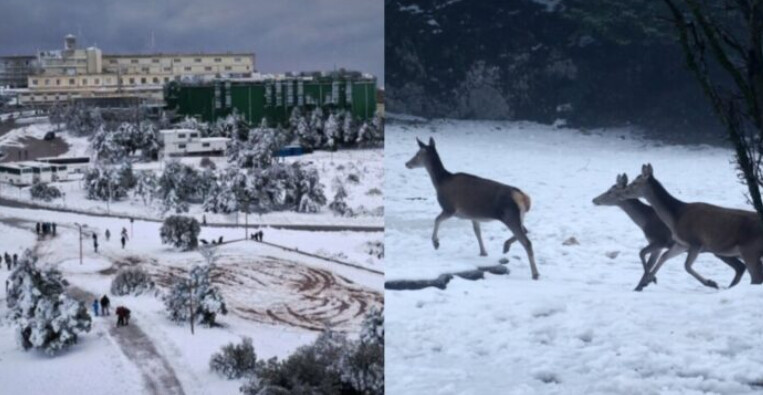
[80, 240]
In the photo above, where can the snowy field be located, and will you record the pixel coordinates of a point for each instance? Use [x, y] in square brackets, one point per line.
[360, 171]
[580, 329]
[277, 297]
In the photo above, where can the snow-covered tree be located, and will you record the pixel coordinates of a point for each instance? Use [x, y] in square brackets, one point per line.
[106, 183]
[259, 148]
[43, 191]
[332, 131]
[181, 232]
[45, 317]
[235, 361]
[363, 366]
[349, 129]
[311, 195]
[179, 185]
[195, 291]
[145, 186]
[131, 280]
[338, 205]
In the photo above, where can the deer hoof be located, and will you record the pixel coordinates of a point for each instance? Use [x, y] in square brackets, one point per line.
[536, 276]
[483, 253]
[436, 243]
[506, 248]
[711, 284]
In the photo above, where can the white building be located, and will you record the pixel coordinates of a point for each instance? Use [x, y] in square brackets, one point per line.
[30, 172]
[188, 142]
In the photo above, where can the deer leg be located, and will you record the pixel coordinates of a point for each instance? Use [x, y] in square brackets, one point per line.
[674, 250]
[752, 260]
[653, 256]
[442, 217]
[478, 233]
[690, 258]
[521, 236]
[507, 244]
[737, 265]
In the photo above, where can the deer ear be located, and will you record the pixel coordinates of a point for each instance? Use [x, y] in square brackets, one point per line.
[431, 142]
[421, 145]
[648, 171]
[622, 180]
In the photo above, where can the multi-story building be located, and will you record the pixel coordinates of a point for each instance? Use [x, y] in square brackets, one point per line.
[74, 73]
[14, 70]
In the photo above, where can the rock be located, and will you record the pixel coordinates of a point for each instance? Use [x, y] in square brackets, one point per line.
[572, 241]
[503, 261]
[612, 254]
[497, 269]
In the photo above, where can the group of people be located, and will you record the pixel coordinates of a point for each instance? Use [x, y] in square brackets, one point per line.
[45, 228]
[103, 306]
[108, 237]
[257, 236]
[10, 261]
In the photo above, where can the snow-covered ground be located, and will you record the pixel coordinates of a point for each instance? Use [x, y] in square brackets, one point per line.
[277, 297]
[580, 329]
[359, 171]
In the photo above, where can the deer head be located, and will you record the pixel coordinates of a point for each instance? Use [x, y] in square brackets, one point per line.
[636, 188]
[424, 156]
[614, 194]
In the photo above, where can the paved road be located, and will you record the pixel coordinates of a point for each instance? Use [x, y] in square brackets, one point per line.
[305, 227]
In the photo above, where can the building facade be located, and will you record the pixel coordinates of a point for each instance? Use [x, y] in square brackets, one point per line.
[76, 73]
[14, 70]
[188, 142]
[274, 97]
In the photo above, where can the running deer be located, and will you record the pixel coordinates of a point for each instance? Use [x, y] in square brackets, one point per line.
[476, 199]
[701, 227]
[657, 234]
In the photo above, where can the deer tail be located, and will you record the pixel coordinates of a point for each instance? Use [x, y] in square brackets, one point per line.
[523, 202]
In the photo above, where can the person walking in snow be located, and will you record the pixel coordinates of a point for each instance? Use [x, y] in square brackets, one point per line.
[123, 316]
[15, 260]
[7, 260]
[123, 242]
[38, 229]
[124, 233]
[95, 307]
[105, 304]
[53, 226]
[108, 235]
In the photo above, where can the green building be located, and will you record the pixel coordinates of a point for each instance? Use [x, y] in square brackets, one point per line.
[274, 98]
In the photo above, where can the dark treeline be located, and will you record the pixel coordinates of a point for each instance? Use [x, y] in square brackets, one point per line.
[593, 63]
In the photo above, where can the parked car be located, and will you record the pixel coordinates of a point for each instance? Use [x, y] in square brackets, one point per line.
[50, 136]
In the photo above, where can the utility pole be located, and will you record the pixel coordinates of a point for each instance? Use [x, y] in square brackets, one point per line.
[190, 287]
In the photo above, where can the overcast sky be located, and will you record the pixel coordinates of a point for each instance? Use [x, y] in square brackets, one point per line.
[285, 35]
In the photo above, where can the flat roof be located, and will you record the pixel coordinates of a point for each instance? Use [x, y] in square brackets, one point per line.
[149, 55]
[168, 131]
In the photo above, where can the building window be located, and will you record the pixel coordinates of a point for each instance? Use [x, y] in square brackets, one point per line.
[228, 68]
[145, 69]
[168, 69]
[166, 79]
[112, 61]
[187, 68]
[97, 81]
[181, 146]
[194, 135]
[132, 81]
[58, 81]
[218, 60]
[237, 60]
[72, 81]
[205, 145]
[156, 80]
[34, 81]
[208, 68]
[181, 135]
[154, 60]
[197, 60]
[134, 61]
[47, 81]
[143, 80]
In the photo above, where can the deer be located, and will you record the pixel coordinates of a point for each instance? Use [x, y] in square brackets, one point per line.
[658, 235]
[476, 199]
[730, 234]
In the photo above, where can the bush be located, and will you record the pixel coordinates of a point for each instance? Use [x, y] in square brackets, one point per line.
[181, 232]
[45, 192]
[235, 361]
[207, 163]
[131, 281]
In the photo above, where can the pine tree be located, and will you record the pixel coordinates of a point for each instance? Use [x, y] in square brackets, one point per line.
[45, 317]
[197, 288]
[181, 232]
